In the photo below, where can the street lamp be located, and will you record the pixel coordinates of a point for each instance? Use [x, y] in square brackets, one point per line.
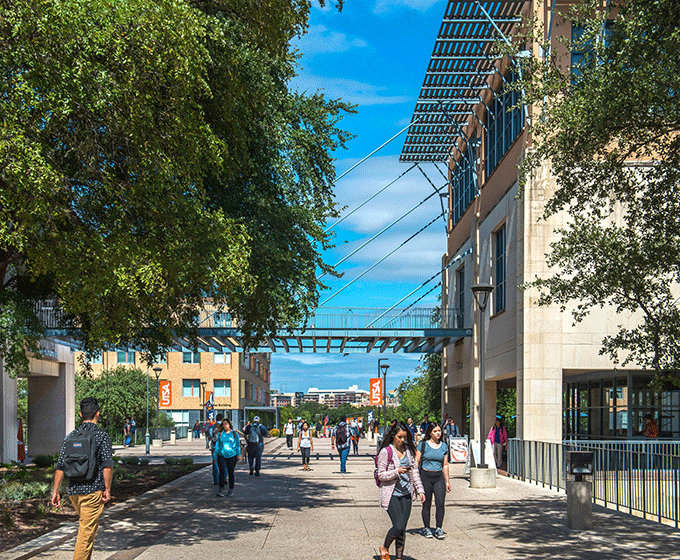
[481, 293]
[203, 384]
[146, 437]
[157, 370]
[384, 368]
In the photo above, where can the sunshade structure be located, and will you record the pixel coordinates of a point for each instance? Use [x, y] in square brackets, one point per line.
[457, 76]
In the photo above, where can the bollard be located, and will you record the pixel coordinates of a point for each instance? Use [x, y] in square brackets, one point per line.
[190, 435]
[579, 491]
[173, 436]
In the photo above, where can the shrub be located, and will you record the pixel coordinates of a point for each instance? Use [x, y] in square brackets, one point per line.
[130, 460]
[24, 491]
[44, 461]
[170, 461]
[40, 510]
[7, 519]
[274, 433]
[144, 461]
[185, 461]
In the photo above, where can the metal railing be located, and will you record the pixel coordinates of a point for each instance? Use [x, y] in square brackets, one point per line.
[639, 477]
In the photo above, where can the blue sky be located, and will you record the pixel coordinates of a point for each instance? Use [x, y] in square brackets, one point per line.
[373, 54]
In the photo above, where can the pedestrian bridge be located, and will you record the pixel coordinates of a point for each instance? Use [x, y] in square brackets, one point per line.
[329, 330]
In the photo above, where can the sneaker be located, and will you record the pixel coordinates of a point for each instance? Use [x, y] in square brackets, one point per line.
[220, 494]
[439, 533]
[251, 472]
[257, 474]
[427, 533]
[230, 493]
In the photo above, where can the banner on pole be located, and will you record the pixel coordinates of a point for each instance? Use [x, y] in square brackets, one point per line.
[376, 391]
[166, 392]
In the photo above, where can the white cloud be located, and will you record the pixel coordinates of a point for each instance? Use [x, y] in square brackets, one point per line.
[382, 6]
[319, 39]
[351, 91]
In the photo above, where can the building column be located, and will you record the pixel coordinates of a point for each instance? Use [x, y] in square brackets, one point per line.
[51, 405]
[9, 423]
[490, 399]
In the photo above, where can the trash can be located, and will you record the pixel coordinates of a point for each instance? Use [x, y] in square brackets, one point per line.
[579, 491]
[173, 436]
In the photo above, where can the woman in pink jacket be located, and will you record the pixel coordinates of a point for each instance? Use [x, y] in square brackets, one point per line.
[498, 436]
[400, 485]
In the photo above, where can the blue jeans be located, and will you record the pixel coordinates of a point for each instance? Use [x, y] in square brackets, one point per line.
[343, 459]
[215, 470]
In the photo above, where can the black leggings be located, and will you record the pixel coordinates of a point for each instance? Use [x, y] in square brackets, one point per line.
[399, 510]
[306, 452]
[226, 465]
[434, 483]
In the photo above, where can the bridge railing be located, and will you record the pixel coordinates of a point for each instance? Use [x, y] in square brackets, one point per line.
[52, 316]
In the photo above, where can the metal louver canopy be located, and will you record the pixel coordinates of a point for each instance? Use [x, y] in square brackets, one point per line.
[457, 75]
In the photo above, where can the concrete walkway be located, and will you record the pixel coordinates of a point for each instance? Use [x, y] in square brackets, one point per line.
[291, 514]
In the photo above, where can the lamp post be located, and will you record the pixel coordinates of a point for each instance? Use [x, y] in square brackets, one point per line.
[157, 370]
[481, 293]
[146, 437]
[203, 384]
[384, 368]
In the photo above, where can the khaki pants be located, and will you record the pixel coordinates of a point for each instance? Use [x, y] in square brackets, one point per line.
[88, 507]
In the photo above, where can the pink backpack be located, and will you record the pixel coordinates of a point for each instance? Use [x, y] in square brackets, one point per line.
[378, 482]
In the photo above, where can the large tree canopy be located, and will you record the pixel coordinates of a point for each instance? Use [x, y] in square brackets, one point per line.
[611, 131]
[152, 155]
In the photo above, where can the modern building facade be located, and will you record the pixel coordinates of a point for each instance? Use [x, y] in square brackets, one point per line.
[187, 380]
[470, 123]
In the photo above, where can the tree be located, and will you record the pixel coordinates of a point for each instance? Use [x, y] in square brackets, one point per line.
[152, 155]
[121, 393]
[621, 247]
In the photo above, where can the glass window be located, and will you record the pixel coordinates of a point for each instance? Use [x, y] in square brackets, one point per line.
[504, 122]
[191, 387]
[222, 387]
[97, 359]
[464, 182]
[460, 287]
[500, 261]
[191, 357]
[124, 357]
[222, 358]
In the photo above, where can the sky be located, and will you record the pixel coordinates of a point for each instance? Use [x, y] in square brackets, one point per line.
[373, 54]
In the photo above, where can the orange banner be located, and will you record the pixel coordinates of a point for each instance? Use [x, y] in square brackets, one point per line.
[376, 391]
[166, 392]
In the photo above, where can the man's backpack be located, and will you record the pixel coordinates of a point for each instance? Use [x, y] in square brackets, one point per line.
[254, 433]
[80, 454]
[378, 482]
[341, 435]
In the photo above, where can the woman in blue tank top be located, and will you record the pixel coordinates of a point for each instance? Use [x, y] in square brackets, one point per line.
[432, 457]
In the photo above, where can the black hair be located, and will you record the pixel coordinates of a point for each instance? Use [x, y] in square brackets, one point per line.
[219, 417]
[498, 419]
[89, 408]
[303, 425]
[397, 427]
[220, 427]
[428, 432]
[648, 416]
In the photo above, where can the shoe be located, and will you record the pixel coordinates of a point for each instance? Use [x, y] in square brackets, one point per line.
[384, 555]
[220, 494]
[439, 533]
[257, 474]
[427, 533]
[251, 472]
[230, 493]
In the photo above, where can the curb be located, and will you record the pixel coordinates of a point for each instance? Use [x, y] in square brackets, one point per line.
[67, 531]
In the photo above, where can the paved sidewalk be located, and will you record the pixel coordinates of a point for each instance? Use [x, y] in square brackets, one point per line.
[288, 513]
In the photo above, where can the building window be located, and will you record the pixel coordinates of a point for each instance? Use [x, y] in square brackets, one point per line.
[222, 320]
[222, 358]
[246, 360]
[162, 358]
[460, 294]
[464, 182]
[97, 359]
[503, 124]
[500, 262]
[125, 357]
[191, 357]
[191, 387]
[582, 46]
[222, 387]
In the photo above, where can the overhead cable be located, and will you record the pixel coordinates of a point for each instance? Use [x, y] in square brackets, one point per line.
[453, 261]
[379, 261]
[385, 229]
[329, 228]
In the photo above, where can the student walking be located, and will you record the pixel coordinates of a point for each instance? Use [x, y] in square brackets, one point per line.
[498, 436]
[255, 434]
[289, 430]
[88, 494]
[400, 485]
[305, 445]
[227, 451]
[433, 460]
[340, 438]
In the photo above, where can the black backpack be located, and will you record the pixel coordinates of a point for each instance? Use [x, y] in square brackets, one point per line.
[80, 454]
[341, 435]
